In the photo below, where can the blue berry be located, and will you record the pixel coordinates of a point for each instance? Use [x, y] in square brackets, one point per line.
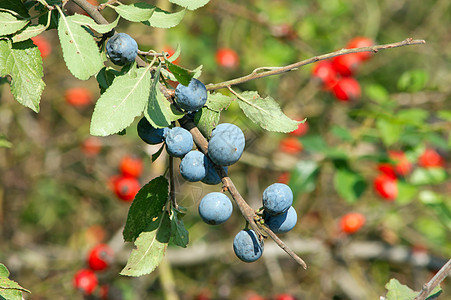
[282, 223]
[215, 208]
[192, 166]
[149, 134]
[122, 49]
[211, 176]
[247, 247]
[277, 198]
[226, 144]
[191, 97]
[179, 141]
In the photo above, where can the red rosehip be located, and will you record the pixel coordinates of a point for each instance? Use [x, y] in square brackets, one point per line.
[86, 281]
[346, 64]
[227, 58]
[387, 169]
[43, 45]
[291, 145]
[402, 165]
[431, 159]
[346, 89]
[301, 130]
[91, 146]
[324, 71]
[386, 187]
[78, 96]
[284, 178]
[171, 52]
[359, 42]
[131, 166]
[126, 188]
[284, 297]
[352, 222]
[99, 257]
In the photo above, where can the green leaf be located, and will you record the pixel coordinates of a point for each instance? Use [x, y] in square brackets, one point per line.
[4, 143]
[150, 247]
[406, 192]
[159, 112]
[413, 116]
[105, 78]
[165, 19]
[9, 289]
[23, 62]
[377, 93]
[146, 208]
[158, 153]
[9, 24]
[218, 101]
[29, 32]
[342, 133]
[16, 6]
[80, 51]
[190, 4]
[265, 112]
[314, 143]
[398, 291]
[303, 177]
[182, 75]
[413, 80]
[4, 272]
[206, 120]
[444, 114]
[136, 12]
[390, 132]
[83, 20]
[180, 235]
[422, 176]
[349, 184]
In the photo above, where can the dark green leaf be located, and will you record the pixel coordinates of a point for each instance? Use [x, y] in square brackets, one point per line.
[180, 235]
[206, 120]
[16, 6]
[349, 184]
[158, 153]
[342, 133]
[303, 177]
[182, 75]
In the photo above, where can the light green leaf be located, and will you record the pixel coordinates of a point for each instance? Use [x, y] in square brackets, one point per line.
[349, 184]
[9, 289]
[87, 21]
[422, 176]
[124, 100]
[398, 291]
[4, 143]
[136, 12]
[80, 51]
[390, 131]
[4, 272]
[190, 4]
[29, 32]
[303, 177]
[206, 120]
[406, 192]
[9, 24]
[444, 114]
[180, 235]
[265, 112]
[23, 62]
[150, 247]
[164, 19]
[218, 101]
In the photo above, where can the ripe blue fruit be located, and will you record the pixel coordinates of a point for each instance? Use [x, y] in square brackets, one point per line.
[282, 223]
[191, 97]
[277, 198]
[211, 176]
[215, 208]
[122, 49]
[179, 141]
[247, 247]
[226, 144]
[149, 134]
[192, 166]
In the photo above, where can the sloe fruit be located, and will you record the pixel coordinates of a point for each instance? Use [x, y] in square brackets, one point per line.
[226, 144]
[191, 97]
[277, 198]
[192, 166]
[149, 134]
[282, 223]
[215, 208]
[211, 176]
[122, 49]
[247, 247]
[179, 141]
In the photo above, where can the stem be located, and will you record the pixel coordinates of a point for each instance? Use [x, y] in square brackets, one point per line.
[435, 281]
[172, 184]
[278, 70]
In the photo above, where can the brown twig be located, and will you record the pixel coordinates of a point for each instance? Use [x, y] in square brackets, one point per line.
[435, 281]
[172, 184]
[279, 70]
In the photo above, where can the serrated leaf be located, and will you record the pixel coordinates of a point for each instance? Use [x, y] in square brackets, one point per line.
[190, 4]
[29, 32]
[124, 100]
[206, 120]
[159, 112]
[398, 291]
[9, 24]
[165, 19]
[349, 184]
[136, 12]
[146, 208]
[218, 101]
[8, 285]
[150, 248]
[23, 62]
[182, 75]
[87, 21]
[80, 51]
[16, 6]
[265, 112]
[180, 235]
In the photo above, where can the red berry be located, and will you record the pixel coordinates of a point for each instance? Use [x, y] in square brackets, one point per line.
[346, 64]
[91, 146]
[324, 71]
[100, 257]
[386, 187]
[284, 178]
[78, 96]
[352, 222]
[301, 130]
[43, 45]
[284, 297]
[430, 159]
[171, 52]
[86, 281]
[387, 169]
[291, 145]
[402, 165]
[227, 58]
[126, 188]
[359, 42]
[131, 166]
[346, 89]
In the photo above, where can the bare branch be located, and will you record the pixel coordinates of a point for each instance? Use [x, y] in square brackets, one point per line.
[435, 281]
